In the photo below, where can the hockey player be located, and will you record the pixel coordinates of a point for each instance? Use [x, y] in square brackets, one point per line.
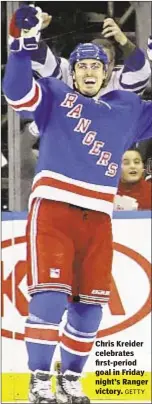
[132, 76]
[69, 236]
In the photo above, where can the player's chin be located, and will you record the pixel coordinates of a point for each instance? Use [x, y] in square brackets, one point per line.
[90, 92]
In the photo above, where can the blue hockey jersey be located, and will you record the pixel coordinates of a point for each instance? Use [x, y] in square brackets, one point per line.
[82, 139]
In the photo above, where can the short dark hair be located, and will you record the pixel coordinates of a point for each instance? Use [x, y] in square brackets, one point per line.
[136, 149]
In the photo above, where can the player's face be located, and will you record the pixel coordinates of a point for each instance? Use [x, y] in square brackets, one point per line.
[88, 76]
[132, 167]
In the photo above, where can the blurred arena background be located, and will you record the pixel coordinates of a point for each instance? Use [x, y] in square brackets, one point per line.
[73, 22]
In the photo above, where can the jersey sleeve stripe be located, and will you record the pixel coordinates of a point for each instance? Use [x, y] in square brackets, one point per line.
[32, 104]
[140, 90]
[135, 85]
[26, 98]
[30, 101]
[50, 67]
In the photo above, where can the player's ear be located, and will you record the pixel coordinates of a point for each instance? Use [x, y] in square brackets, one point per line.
[74, 79]
[73, 75]
[105, 73]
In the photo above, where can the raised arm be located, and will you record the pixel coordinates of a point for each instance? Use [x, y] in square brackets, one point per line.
[135, 73]
[44, 62]
[26, 25]
[22, 91]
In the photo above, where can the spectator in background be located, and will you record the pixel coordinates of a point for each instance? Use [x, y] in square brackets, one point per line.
[133, 191]
[128, 50]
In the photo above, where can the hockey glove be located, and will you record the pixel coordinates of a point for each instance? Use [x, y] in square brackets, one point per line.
[149, 48]
[25, 28]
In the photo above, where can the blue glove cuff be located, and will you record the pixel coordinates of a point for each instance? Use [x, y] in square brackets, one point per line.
[23, 43]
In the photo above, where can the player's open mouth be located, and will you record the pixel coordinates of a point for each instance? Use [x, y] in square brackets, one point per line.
[89, 81]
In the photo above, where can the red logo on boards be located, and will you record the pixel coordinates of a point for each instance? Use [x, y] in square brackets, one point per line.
[115, 304]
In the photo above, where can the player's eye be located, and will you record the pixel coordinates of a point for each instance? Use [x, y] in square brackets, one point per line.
[82, 66]
[95, 66]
